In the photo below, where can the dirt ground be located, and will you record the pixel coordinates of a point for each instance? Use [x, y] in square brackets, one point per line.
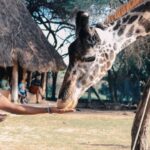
[82, 130]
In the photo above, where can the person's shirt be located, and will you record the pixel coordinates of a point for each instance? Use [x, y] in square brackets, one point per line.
[22, 88]
[36, 82]
[4, 84]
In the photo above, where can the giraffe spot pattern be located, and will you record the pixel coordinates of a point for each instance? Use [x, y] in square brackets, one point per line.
[145, 23]
[137, 31]
[112, 55]
[121, 30]
[125, 19]
[115, 46]
[130, 32]
[108, 64]
[132, 19]
[117, 25]
[142, 8]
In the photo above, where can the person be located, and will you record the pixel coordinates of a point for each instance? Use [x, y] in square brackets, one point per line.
[35, 88]
[22, 109]
[4, 83]
[5, 88]
[22, 92]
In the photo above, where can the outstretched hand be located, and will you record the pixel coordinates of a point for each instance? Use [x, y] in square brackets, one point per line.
[2, 117]
[61, 111]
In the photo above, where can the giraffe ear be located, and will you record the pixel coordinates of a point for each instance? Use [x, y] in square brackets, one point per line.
[82, 22]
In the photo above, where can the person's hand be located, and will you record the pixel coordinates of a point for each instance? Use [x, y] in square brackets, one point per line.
[2, 117]
[60, 111]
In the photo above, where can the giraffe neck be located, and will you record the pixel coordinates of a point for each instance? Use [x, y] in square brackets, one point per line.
[123, 32]
[129, 28]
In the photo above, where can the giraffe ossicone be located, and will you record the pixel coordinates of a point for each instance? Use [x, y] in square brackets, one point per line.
[94, 50]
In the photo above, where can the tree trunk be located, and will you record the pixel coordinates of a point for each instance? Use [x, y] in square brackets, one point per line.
[97, 95]
[14, 94]
[110, 82]
[89, 98]
[54, 76]
[142, 140]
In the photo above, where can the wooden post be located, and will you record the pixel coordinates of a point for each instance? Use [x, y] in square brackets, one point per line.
[54, 78]
[24, 74]
[44, 78]
[14, 94]
[29, 79]
[142, 140]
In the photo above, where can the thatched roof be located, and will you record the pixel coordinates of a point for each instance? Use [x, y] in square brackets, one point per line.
[22, 41]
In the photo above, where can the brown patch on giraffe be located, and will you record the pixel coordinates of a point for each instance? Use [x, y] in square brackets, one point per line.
[138, 37]
[125, 18]
[112, 55]
[83, 82]
[96, 68]
[74, 72]
[91, 77]
[104, 68]
[104, 42]
[145, 23]
[130, 32]
[101, 60]
[126, 43]
[106, 55]
[117, 25]
[142, 8]
[132, 19]
[109, 45]
[115, 46]
[108, 64]
[137, 31]
[121, 30]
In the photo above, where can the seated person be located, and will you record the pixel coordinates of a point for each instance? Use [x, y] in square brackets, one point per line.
[35, 88]
[4, 83]
[22, 92]
[5, 87]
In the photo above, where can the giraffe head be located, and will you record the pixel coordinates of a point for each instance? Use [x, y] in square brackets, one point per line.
[94, 50]
[88, 62]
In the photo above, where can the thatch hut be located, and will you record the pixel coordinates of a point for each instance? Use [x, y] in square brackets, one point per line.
[23, 43]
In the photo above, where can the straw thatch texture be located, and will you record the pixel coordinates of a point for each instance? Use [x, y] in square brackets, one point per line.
[22, 41]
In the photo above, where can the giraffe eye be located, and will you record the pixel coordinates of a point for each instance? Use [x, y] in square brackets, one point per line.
[88, 59]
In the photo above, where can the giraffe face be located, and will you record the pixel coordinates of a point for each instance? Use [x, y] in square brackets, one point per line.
[86, 65]
[94, 51]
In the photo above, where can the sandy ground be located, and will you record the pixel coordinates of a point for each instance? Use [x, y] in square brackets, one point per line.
[82, 130]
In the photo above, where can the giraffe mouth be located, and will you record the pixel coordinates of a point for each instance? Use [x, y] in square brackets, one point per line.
[68, 104]
[68, 98]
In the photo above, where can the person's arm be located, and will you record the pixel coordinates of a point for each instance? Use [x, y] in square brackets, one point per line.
[6, 105]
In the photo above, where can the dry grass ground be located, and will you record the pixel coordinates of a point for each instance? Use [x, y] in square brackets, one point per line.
[84, 130]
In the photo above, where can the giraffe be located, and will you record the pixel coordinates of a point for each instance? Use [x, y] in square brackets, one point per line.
[94, 50]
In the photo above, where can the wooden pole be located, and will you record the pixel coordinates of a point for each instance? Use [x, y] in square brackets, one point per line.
[24, 74]
[29, 79]
[44, 78]
[54, 76]
[142, 140]
[14, 94]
